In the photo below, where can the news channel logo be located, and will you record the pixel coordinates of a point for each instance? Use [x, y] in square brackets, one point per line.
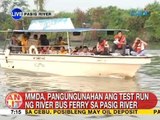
[17, 13]
[13, 100]
[139, 13]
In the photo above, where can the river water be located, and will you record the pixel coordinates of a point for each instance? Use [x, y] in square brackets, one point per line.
[147, 79]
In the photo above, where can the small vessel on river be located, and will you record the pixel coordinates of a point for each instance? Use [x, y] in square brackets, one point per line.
[68, 64]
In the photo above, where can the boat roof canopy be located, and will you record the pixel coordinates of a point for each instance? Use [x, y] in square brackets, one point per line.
[72, 30]
[51, 24]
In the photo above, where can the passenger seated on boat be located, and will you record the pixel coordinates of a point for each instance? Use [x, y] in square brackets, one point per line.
[44, 50]
[139, 47]
[24, 43]
[75, 51]
[61, 41]
[85, 51]
[52, 50]
[80, 49]
[94, 50]
[37, 40]
[102, 47]
[43, 40]
[35, 37]
[119, 43]
[62, 50]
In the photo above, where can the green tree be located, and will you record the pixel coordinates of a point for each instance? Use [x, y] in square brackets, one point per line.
[40, 4]
[4, 5]
[146, 27]
[80, 17]
[152, 24]
[21, 3]
[7, 21]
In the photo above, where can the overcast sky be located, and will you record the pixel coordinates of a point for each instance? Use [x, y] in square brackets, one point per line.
[70, 5]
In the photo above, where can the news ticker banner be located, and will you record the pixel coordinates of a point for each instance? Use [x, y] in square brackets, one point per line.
[81, 103]
[79, 111]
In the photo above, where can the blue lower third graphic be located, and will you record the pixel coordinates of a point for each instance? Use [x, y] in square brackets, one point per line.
[17, 14]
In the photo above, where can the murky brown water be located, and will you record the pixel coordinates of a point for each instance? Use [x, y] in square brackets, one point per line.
[147, 79]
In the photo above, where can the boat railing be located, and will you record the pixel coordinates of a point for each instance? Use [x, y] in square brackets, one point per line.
[35, 49]
[51, 49]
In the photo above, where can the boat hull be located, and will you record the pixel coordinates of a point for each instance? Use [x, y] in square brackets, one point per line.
[68, 65]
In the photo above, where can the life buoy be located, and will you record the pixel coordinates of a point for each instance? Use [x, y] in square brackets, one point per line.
[33, 48]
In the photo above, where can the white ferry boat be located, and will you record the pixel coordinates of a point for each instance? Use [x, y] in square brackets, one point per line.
[70, 65]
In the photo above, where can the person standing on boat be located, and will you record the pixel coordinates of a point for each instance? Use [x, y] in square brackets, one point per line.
[13, 45]
[102, 47]
[119, 43]
[43, 40]
[24, 43]
[35, 40]
[139, 47]
[14, 40]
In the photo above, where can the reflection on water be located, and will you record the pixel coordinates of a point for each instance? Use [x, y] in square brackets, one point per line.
[147, 79]
[149, 75]
[19, 82]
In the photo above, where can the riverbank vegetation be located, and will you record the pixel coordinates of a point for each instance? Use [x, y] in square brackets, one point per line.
[145, 26]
